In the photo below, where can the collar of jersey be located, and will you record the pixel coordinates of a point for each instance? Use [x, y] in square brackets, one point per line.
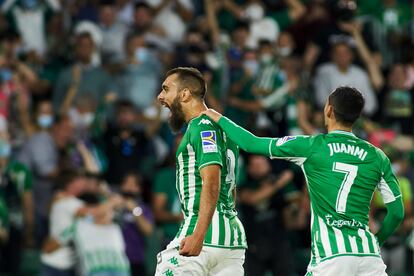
[343, 132]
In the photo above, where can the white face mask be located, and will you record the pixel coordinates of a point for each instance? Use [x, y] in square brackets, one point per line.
[266, 58]
[284, 51]
[254, 12]
[81, 120]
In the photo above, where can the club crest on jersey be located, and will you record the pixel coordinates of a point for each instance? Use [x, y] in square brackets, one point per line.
[209, 141]
[285, 139]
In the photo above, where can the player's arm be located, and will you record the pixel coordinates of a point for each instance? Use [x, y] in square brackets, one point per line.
[192, 245]
[293, 148]
[391, 194]
[206, 140]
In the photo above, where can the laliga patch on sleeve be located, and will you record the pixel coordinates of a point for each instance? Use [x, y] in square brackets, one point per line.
[285, 139]
[209, 141]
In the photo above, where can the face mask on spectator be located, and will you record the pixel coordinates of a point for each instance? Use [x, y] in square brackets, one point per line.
[130, 195]
[5, 75]
[45, 121]
[5, 149]
[251, 66]
[29, 4]
[141, 54]
[81, 120]
[266, 58]
[284, 51]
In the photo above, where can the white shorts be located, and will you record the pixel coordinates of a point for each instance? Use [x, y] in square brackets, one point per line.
[349, 266]
[211, 261]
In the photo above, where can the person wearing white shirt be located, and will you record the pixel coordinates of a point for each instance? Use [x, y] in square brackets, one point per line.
[339, 72]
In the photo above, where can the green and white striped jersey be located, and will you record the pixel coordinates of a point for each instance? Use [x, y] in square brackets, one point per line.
[204, 144]
[342, 173]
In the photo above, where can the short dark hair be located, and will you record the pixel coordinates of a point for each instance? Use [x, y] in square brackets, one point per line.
[124, 104]
[67, 176]
[347, 103]
[142, 4]
[190, 78]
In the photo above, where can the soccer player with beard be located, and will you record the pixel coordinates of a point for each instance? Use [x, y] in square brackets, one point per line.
[211, 239]
[342, 172]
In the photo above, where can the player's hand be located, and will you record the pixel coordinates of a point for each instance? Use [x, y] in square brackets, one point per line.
[214, 115]
[191, 246]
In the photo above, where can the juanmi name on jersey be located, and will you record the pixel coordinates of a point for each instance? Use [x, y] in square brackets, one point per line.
[349, 149]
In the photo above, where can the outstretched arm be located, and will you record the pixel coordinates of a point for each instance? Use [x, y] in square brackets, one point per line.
[245, 139]
[291, 148]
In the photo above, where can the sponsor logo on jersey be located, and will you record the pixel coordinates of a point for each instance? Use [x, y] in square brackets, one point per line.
[205, 122]
[342, 222]
[209, 141]
[285, 139]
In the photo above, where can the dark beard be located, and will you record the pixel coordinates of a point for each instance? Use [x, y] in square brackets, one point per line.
[177, 120]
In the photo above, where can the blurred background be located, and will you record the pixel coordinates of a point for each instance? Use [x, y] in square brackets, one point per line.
[87, 160]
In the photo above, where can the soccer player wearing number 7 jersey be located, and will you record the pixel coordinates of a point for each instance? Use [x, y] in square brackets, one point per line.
[342, 173]
[211, 239]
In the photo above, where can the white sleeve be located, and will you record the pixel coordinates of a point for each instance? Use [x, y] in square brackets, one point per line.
[62, 218]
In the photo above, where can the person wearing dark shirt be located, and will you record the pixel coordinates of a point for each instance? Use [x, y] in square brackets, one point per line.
[127, 148]
[137, 223]
[262, 204]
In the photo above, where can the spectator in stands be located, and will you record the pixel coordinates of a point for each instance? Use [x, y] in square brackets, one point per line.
[262, 202]
[144, 23]
[173, 17]
[399, 101]
[139, 81]
[166, 204]
[82, 78]
[16, 198]
[58, 256]
[394, 250]
[341, 71]
[42, 155]
[29, 18]
[127, 148]
[113, 32]
[136, 223]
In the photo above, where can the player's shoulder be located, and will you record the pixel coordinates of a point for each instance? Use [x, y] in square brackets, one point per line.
[204, 127]
[203, 122]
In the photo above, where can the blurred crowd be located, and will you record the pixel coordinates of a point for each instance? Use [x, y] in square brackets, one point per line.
[87, 161]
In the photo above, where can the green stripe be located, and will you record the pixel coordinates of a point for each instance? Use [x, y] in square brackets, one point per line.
[348, 247]
[359, 243]
[207, 239]
[221, 230]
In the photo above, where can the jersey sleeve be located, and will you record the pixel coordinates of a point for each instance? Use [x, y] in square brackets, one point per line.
[292, 148]
[391, 194]
[207, 142]
[25, 178]
[388, 185]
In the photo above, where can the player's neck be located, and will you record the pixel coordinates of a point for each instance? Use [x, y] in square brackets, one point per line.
[194, 110]
[339, 127]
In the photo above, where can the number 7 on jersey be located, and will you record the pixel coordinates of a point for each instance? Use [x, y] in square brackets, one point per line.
[350, 172]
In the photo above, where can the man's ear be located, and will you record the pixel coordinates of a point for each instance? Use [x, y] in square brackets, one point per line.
[185, 95]
[330, 112]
